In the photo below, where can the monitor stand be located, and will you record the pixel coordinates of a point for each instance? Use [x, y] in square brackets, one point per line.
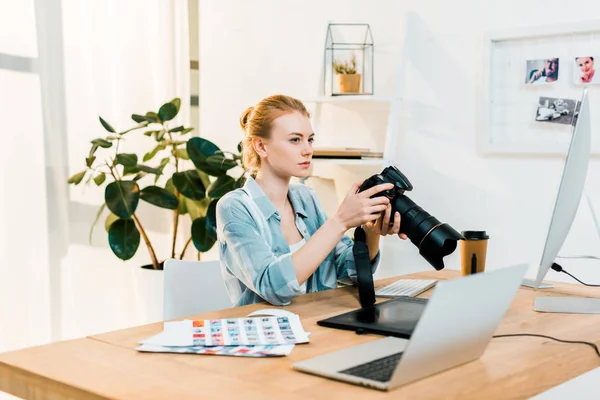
[531, 284]
[567, 305]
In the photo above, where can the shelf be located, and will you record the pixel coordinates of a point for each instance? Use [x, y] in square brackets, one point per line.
[348, 98]
[346, 161]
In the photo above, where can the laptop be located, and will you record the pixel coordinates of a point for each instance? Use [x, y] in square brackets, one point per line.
[455, 328]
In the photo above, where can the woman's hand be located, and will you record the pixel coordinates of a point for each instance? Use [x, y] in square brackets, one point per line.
[382, 226]
[359, 208]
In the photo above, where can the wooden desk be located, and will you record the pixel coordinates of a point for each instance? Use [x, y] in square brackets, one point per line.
[107, 365]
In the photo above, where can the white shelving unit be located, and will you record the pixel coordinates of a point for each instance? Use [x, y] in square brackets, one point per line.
[359, 169]
[392, 127]
[342, 161]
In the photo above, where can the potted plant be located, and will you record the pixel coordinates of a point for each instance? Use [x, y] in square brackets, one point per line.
[348, 79]
[195, 175]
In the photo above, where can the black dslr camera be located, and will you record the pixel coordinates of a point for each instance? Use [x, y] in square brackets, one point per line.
[434, 239]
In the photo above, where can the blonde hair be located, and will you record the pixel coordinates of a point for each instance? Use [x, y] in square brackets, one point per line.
[256, 122]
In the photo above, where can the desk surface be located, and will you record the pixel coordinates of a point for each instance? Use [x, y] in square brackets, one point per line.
[108, 366]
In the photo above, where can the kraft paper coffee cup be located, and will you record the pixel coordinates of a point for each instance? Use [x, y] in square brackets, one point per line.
[473, 250]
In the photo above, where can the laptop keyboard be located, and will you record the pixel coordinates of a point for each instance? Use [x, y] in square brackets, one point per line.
[405, 287]
[379, 370]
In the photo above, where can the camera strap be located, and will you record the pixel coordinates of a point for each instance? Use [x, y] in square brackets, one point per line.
[364, 269]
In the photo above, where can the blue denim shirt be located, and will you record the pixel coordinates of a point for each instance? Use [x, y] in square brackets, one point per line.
[255, 258]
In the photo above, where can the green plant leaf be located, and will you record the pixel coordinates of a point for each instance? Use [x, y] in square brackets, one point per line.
[127, 159]
[122, 198]
[205, 178]
[107, 126]
[196, 208]
[177, 129]
[240, 181]
[177, 103]
[76, 179]
[100, 178]
[200, 237]
[140, 175]
[150, 133]
[169, 185]
[163, 163]
[167, 112]
[93, 149]
[182, 153]
[159, 197]
[130, 170]
[211, 220]
[161, 167]
[148, 169]
[182, 199]
[189, 184]
[150, 155]
[220, 187]
[151, 117]
[161, 135]
[98, 215]
[221, 162]
[110, 218]
[210, 170]
[240, 147]
[183, 205]
[123, 238]
[90, 160]
[102, 143]
[141, 124]
[200, 149]
[186, 130]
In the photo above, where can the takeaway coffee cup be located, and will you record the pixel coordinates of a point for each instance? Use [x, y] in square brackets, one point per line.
[473, 249]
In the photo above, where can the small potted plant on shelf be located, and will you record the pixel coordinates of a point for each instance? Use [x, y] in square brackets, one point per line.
[348, 79]
[194, 174]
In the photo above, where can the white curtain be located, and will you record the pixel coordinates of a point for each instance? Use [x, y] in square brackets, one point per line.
[110, 58]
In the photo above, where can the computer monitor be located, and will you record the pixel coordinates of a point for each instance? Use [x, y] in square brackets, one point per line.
[570, 189]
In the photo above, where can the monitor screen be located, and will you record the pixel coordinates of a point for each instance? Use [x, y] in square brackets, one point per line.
[570, 189]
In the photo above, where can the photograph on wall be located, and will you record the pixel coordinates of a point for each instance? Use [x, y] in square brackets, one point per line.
[557, 111]
[585, 70]
[542, 71]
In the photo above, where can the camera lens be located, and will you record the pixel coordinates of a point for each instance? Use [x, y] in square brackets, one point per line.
[434, 239]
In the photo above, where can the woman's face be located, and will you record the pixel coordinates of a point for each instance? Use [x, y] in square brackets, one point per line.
[289, 149]
[586, 64]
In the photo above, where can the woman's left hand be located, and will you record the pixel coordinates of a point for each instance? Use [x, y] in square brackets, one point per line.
[382, 226]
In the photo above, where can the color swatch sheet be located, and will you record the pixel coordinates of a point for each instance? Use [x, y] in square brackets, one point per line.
[250, 337]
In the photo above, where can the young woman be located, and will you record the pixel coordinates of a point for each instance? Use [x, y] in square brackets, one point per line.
[275, 241]
[587, 70]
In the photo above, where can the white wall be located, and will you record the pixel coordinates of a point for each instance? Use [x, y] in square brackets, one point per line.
[253, 49]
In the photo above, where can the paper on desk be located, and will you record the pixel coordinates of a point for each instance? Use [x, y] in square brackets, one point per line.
[237, 351]
[271, 330]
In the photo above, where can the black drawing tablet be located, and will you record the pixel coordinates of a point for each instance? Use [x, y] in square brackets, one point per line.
[397, 317]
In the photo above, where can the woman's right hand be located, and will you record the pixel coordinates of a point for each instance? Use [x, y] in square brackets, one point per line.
[359, 208]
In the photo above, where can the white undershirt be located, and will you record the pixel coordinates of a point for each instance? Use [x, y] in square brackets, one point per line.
[294, 248]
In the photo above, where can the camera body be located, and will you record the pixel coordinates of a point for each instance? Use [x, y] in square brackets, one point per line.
[434, 239]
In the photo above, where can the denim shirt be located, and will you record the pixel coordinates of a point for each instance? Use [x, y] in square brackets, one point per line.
[256, 263]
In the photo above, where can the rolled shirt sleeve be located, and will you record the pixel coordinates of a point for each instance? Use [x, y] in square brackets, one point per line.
[254, 263]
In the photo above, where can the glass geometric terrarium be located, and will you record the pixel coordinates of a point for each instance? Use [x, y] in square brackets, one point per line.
[348, 61]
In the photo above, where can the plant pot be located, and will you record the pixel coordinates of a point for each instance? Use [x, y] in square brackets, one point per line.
[349, 83]
[148, 291]
[161, 266]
